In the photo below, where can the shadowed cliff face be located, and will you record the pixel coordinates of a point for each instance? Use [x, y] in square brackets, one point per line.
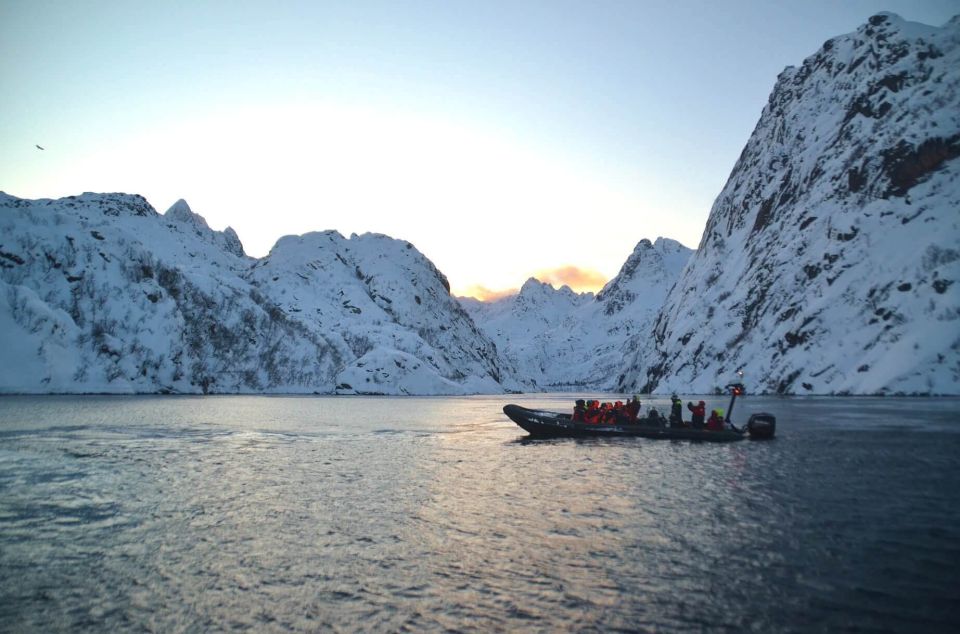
[828, 260]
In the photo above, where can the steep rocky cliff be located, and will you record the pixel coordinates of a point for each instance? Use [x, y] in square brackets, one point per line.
[830, 260]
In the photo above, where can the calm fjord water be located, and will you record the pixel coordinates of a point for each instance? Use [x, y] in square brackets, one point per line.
[431, 514]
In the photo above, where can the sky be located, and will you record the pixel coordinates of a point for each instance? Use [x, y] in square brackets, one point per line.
[504, 139]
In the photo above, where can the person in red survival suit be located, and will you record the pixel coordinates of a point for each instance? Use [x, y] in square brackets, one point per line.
[632, 409]
[699, 413]
[715, 422]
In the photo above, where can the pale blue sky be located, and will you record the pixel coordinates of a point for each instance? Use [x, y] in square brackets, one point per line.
[501, 138]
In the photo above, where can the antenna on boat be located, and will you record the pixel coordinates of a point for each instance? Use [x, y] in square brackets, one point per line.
[736, 389]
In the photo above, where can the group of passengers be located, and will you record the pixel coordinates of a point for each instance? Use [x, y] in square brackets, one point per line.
[607, 413]
[620, 413]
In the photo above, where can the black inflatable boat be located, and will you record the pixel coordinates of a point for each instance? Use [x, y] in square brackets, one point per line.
[544, 424]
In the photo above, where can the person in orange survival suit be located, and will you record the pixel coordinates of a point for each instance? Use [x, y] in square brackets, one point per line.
[593, 412]
[579, 411]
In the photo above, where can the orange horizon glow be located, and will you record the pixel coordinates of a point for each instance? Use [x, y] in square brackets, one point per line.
[580, 280]
[485, 294]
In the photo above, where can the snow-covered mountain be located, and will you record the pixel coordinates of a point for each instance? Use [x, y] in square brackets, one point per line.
[564, 340]
[830, 260]
[388, 309]
[829, 264]
[100, 293]
[536, 329]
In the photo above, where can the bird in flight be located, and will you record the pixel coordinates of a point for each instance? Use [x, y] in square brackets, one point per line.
[39, 147]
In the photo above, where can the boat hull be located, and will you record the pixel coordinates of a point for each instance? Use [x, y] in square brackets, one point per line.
[544, 424]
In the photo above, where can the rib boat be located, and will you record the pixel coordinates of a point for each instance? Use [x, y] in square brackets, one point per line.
[546, 424]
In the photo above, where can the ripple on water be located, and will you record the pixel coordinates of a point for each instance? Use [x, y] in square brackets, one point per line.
[275, 515]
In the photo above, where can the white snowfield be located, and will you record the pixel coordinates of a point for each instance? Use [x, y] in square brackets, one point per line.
[830, 264]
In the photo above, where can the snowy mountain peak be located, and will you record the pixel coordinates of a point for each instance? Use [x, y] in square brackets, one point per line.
[180, 212]
[885, 23]
[541, 298]
[112, 204]
[233, 238]
[666, 245]
[228, 240]
[386, 309]
[534, 287]
[824, 263]
[648, 267]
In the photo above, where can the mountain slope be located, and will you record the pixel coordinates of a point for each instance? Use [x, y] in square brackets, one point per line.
[566, 340]
[389, 310]
[829, 260]
[100, 293]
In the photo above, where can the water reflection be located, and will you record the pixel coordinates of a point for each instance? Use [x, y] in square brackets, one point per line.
[305, 514]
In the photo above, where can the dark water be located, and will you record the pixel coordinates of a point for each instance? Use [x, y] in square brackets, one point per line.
[381, 514]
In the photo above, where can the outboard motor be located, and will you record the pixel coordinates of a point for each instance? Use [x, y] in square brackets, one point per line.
[761, 426]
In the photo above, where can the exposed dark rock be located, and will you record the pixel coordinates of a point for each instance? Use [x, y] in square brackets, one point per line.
[906, 165]
[764, 215]
[786, 384]
[894, 82]
[796, 338]
[850, 235]
[856, 179]
[13, 257]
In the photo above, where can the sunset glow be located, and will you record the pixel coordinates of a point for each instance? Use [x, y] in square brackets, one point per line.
[545, 144]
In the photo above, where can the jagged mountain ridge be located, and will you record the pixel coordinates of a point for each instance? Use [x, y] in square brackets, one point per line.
[100, 293]
[565, 340]
[829, 260]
